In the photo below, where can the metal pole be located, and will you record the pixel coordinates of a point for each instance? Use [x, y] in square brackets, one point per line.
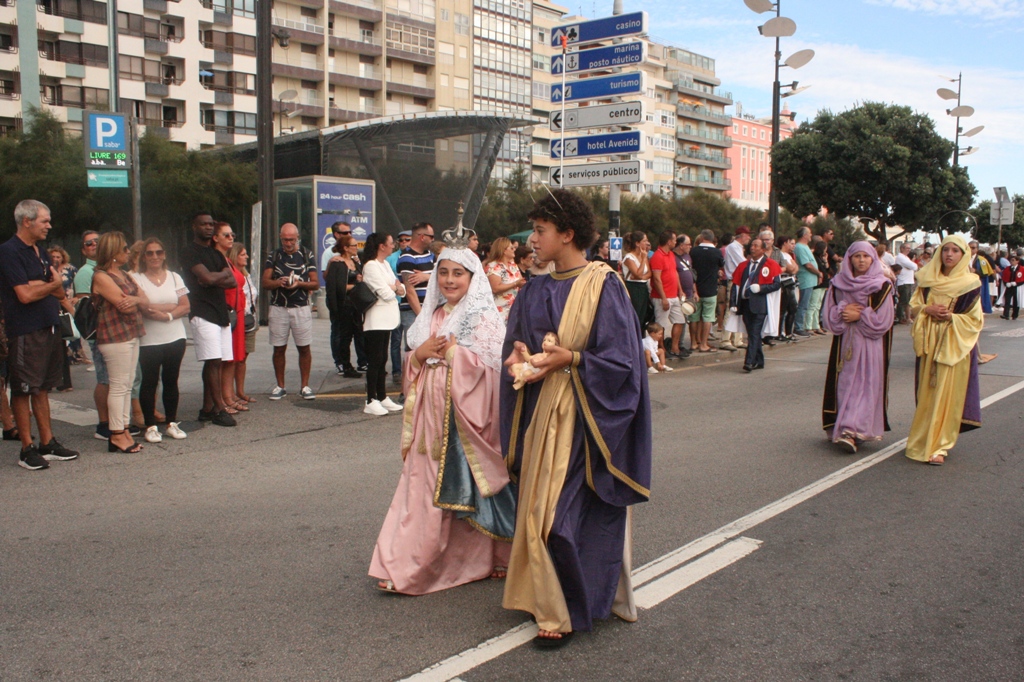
[133, 125]
[773, 196]
[956, 137]
[614, 191]
[265, 124]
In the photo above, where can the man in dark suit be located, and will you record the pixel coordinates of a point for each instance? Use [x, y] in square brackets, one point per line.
[753, 280]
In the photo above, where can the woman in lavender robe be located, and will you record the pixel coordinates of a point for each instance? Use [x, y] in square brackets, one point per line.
[859, 311]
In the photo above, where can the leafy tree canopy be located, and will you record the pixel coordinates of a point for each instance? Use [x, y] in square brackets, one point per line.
[1012, 234]
[47, 164]
[879, 161]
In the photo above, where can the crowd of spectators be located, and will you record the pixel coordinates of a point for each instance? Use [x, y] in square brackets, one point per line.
[708, 287]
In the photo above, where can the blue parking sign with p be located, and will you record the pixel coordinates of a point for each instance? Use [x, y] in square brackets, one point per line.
[106, 141]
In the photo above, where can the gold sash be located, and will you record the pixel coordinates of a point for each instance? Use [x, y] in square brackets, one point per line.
[532, 584]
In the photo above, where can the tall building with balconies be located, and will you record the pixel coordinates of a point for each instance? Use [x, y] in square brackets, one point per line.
[703, 127]
[751, 170]
[185, 69]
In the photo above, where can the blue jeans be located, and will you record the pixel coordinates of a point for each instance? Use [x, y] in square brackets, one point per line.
[802, 307]
[398, 344]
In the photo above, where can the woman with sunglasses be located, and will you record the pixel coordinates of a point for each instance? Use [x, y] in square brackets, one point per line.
[118, 330]
[343, 273]
[223, 240]
[239, 258]
[163, 347]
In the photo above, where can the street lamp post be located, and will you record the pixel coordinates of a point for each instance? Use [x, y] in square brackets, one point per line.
[958, 112]
[778, 28]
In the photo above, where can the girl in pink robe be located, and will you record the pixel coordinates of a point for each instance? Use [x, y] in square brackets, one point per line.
[452, 517]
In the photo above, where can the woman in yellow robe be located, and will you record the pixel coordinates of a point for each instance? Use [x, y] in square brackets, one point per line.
[948, 321]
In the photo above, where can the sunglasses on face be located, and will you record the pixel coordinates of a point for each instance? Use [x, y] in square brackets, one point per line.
[91, 242]
[159, 252]
[228, 235]
[342, 234]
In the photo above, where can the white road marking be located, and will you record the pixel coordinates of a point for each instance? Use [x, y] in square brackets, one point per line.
[448, 669]
[73, 414]
[670, 585]
[652, 594]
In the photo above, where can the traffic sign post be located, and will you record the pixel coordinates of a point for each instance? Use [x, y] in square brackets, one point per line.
[618, 26]
[596, 145]
[599, 58]
[622, 113]
[614, 172]
[598, 88]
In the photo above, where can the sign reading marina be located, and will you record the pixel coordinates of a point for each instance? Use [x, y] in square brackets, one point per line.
[599, 88]
[596, 145]
[613, 173]
[599, 58]
[600, 116]
[106, 141]
[600, 29]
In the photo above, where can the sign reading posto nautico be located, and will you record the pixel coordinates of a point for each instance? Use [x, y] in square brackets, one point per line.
[106, 141]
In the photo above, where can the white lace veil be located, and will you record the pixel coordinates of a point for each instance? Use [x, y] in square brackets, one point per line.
[475, 322]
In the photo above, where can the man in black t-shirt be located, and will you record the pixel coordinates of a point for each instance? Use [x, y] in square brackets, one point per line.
[707, 261]
[289, 274]
[207, 274]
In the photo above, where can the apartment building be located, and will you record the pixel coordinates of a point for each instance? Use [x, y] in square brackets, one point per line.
[185, 69]
[750, 157]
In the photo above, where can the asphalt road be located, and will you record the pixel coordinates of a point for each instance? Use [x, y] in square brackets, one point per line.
[241, 554]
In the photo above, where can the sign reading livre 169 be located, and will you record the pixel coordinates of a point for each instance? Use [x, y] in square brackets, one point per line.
[106, 141]
[600, 29]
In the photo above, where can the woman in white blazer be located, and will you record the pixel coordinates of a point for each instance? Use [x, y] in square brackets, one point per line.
[379, 320]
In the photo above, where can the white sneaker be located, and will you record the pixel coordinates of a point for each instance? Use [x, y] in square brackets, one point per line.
[307, 393]
[375, 408]
[652, 370]
[152, 435]
[390, 405]
[667, 369]
[174, 431]
[278, 393]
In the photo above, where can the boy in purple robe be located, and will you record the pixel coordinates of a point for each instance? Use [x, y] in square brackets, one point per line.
[859, 311]
[577, 436]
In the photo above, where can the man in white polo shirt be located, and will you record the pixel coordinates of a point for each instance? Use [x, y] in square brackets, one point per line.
[905, 282]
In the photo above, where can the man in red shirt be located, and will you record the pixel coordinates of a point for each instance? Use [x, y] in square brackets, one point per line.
[665, 291]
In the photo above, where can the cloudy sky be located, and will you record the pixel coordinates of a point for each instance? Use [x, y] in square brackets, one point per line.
[894, 51]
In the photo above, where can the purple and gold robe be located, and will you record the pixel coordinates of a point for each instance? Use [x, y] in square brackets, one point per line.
[578, 445]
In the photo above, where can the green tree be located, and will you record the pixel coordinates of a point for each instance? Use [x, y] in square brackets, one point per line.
[878, 161]
[1013, 235]
[47, 164]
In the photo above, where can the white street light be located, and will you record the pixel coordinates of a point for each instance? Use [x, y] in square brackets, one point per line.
[974, 131]
[798, 59]
[946, 93]
[969, 151]
[961, 111]
[760, 6]
[778, 27]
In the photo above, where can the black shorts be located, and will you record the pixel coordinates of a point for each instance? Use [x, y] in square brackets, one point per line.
[36, 361]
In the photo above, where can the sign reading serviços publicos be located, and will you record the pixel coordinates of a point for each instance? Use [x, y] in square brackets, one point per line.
[591, 58]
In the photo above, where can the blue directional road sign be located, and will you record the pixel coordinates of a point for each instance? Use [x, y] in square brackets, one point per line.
[626, 54]
[599, 88]
[596, 145]
[106, 141]
[600, 29]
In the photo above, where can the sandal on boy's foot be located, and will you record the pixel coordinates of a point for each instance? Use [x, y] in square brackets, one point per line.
[847, 444]
[11, 434]
[552, 642]
[499, 573]
[937, 460]
[386, 586]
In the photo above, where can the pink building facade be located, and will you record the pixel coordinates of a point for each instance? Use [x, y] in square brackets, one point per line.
[750, 157]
